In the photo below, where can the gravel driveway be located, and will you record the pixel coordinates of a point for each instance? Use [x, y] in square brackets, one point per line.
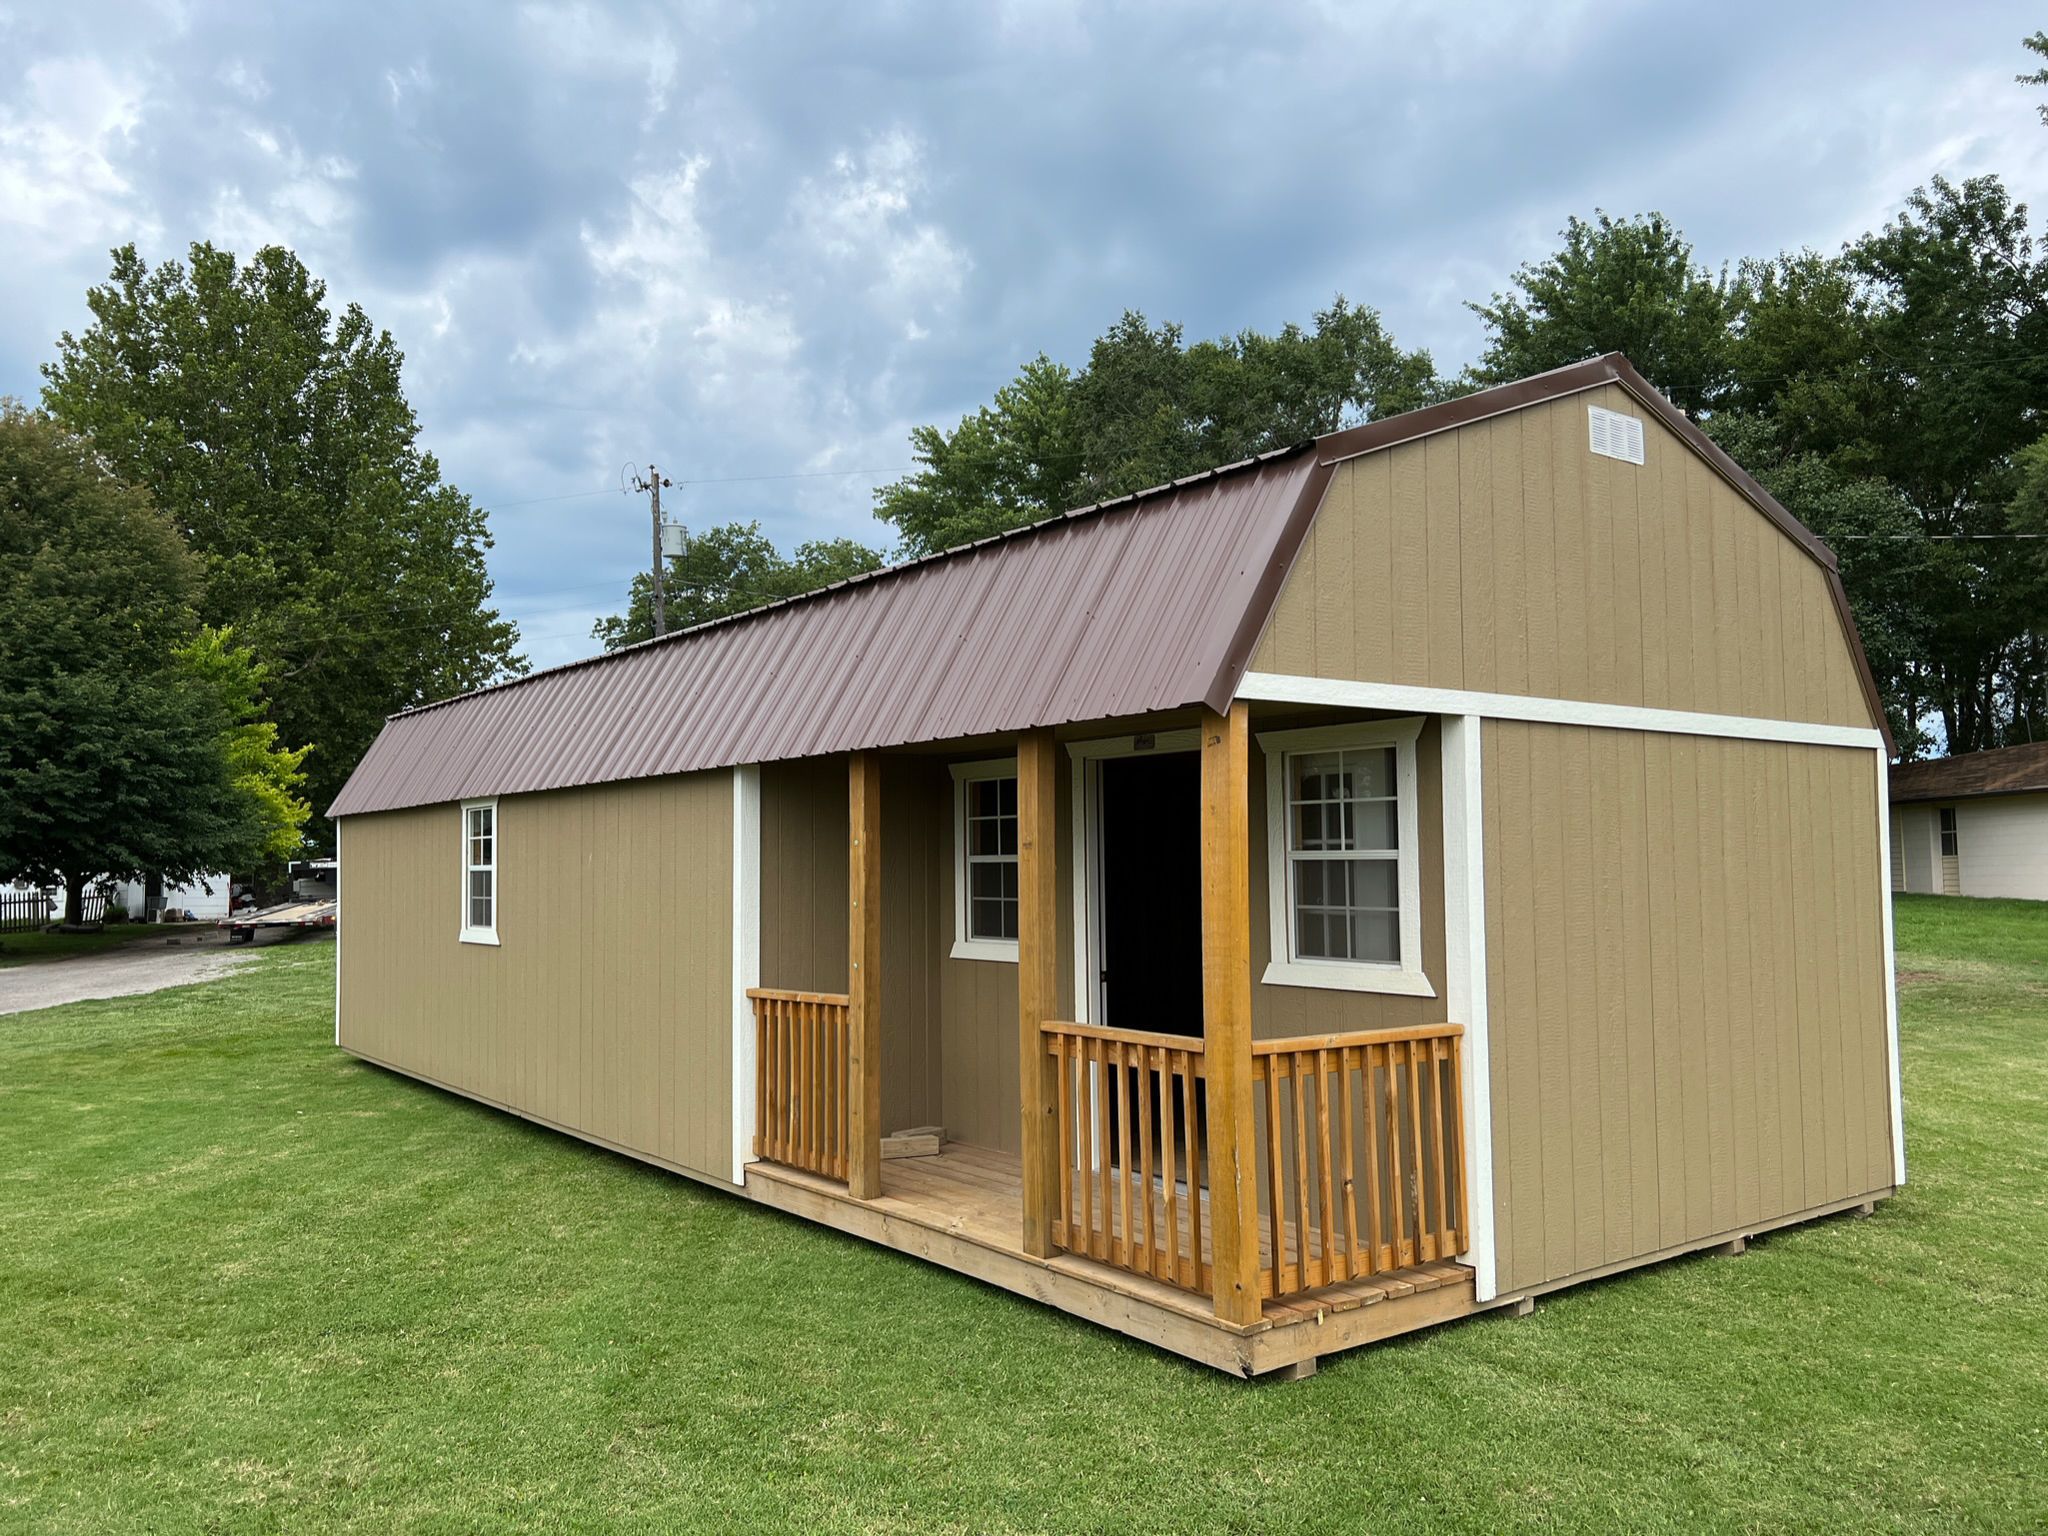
[144, 966]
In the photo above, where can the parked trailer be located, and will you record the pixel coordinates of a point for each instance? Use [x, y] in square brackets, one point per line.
[290, 914]
[315, 903]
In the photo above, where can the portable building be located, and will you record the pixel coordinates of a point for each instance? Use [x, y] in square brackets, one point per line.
[1336, 893]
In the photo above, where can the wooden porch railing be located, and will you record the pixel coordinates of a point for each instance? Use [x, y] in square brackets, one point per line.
[1380, 1109]
[1358, 1142]
[1130, 1150]
[800, 1079]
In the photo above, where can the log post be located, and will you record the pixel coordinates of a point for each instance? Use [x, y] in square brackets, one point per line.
[1037, 983]
[864, 976]
[1227, 1011]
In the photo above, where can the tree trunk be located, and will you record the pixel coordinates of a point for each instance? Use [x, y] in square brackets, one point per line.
[74, 899]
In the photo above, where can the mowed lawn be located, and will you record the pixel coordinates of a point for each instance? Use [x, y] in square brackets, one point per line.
[247, 1284]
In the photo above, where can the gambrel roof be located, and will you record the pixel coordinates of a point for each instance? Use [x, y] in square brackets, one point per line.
[1152, 601]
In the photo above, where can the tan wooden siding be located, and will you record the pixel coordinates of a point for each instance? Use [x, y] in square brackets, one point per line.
[978, 998]
[1685, 989]
[607, 1005]
[804, 911]
[1506, 557]
[1280, 1011]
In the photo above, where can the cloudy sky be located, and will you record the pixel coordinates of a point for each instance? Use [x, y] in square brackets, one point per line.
[760, 243]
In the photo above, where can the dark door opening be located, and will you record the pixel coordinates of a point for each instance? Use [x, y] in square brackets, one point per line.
[1151, 829]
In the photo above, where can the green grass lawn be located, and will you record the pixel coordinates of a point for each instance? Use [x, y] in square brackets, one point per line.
[247, 1284]
[23, 948]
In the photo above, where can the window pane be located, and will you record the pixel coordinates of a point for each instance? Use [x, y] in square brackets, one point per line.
[1376, 936]
[1371, 772]
[1373, 824]
[985, 880]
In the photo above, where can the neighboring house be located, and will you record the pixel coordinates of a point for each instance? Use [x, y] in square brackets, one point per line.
[1333, 894]
[1975, 825]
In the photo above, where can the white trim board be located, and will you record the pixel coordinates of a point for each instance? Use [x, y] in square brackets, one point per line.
[966, 947]
[337, 927]
[1278, 687]
[1891, 969]
[746, 956]
[1404, 978]
[1465, 999]
[1085, 843]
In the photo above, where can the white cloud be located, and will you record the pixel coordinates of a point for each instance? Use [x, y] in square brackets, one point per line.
[63, 145]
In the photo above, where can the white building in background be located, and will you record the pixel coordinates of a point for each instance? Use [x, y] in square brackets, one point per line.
[206, 899]
[1975, 825]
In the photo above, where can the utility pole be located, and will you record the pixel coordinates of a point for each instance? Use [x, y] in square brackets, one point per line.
[652, 484]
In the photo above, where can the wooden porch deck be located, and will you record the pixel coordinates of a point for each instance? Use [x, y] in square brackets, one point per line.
[962, 1209]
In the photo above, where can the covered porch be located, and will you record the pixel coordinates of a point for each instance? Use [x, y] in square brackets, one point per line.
[1244, 1197]
[962, 1210]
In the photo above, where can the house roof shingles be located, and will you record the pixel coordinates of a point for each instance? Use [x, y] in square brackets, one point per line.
[2002, 771]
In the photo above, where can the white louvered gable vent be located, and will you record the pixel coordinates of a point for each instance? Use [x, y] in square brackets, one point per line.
[1616, 436]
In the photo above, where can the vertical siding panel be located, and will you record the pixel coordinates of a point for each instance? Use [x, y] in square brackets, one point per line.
[1532, 1029]
[1475, 552]
[1798, 654]
[1708, 637]
[1576, 885]
[1626, 485]
[1805, 927]
[1639, 969]
[1568, 467]
[1603, 668]
[1608, 873]
[1553, 1006]
[1733, 642]
[1412, 659]
[1441, 525]
[1758, 900]
[1372, 565]
[1718, 969]
[1540, 582]
[1503, 1001]
[1787, 1022]
[1292, 634]
[1667, 985]
[1695, 1001]
[1739, 902]
[1680, 638]
[1763, 677]
[1653, 530]
[1849, 841]
[1335, 589]
[1506, 539]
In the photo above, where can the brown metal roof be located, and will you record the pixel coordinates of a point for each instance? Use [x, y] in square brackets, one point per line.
[1149, 602]
[2003, 771]
[1152, 601]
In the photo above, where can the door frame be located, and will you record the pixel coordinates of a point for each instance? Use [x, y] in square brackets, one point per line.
[1087, 757]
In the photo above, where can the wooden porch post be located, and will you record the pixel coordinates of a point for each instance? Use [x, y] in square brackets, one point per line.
[864, 976]
[1037, 983]
[1227, 1011]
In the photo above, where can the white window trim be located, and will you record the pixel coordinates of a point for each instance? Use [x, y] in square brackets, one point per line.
[1283, 969]
[965, 948]
[464, 932]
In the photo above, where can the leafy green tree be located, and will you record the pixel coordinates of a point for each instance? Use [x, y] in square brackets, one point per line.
[1616, 285]
[729, 569]
[265, 775]
[1147, 409]
[2038, 46]
[279, 440]
[113, 752]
